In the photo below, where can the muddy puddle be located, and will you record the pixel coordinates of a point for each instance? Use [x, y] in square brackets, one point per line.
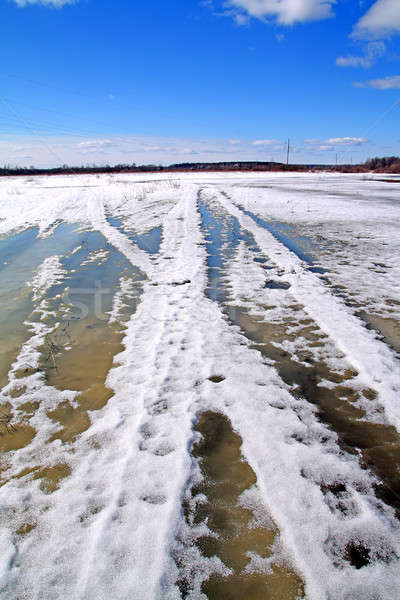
[81, 343]
[244, 542]
[83, 368]
[149, 241]
[20, 256]
[378, 445]
[338, 403]
[222, 235]
[13, 434]
[86, 342]
[287, 235]
[387, 329]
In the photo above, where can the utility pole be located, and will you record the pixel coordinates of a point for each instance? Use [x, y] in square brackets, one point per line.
[288, 150]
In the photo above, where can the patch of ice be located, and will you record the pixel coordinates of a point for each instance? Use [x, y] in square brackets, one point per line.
[97, 256]
[359, 345]
[126, 291]
[49, 273]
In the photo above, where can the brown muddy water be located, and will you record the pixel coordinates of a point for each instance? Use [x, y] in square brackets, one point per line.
[79, 351]
[86, 343]
[84, 368]
[20, 256]
[387, 329]
[236, 531]
[377, 445]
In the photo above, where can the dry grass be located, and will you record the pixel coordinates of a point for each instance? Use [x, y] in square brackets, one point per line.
[5, 422]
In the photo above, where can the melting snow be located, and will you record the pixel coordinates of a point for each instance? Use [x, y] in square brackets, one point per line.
[114, 528]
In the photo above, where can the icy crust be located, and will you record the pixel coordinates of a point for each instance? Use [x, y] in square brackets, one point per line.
[353, 225]
[245, 280]
[142, 206]
[142, 201]
[359, 345]
[86, 200]
[21, 502]
[295, 478]
[98, 257]
[127, 290]
[114, 528]
[101, 512]
[49, 273]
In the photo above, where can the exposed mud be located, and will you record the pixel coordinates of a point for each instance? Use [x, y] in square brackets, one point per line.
[387, 329]
[237, 535]
[84, 368]
[339, 403]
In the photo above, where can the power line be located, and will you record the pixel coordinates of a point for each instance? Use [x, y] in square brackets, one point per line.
[61, 113]
[47, 146]
[52, 87]
[387, 112]
[116, 102]
[79, 94]
[45, 127]
[374, 124]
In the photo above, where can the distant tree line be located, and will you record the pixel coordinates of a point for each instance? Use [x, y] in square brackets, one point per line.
[234, 166]
[389, 164]
[67, 170]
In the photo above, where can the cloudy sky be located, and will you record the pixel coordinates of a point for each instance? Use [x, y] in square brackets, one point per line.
[164, 81]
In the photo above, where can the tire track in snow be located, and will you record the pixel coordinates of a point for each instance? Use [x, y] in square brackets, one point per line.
[298, 480]
[97, 218]
[294, 477]
[375, 362]
[114, 564]
[152, 474]
[304, 357]
[131, 486]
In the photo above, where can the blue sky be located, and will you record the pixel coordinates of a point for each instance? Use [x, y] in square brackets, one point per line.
[102, 81]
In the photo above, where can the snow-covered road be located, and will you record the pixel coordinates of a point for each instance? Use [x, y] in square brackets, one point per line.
[282, 352]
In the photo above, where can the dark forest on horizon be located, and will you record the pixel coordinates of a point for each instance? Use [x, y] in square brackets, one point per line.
[388, 165]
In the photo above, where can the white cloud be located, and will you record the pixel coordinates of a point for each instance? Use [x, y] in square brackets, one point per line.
[264, 142]
[353, 61]
[330, 143]
[154, 149]
[381, 20]
[138, 149]
[347, 141]
[189, 151]
[240, 18]
[24, 149]
[97, 144]
[286, 12]
[373, 51]
[386, 83]
[53, 3]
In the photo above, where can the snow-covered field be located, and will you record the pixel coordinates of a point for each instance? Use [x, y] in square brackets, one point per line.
[133, 304]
